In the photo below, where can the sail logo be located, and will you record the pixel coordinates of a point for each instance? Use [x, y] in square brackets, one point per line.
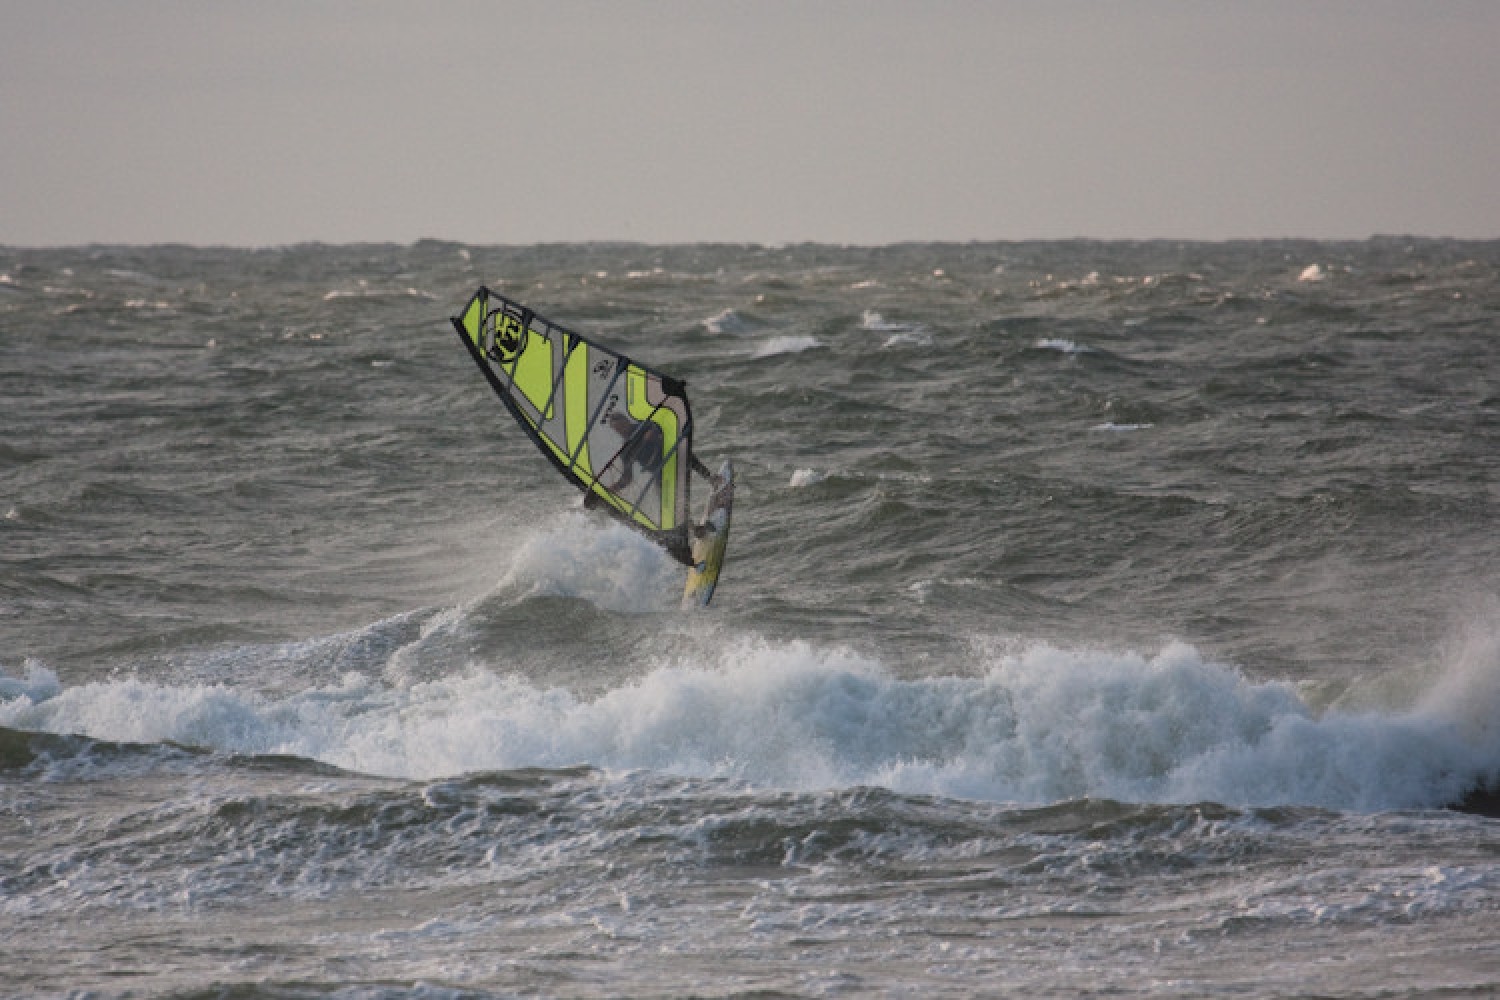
[507, 337]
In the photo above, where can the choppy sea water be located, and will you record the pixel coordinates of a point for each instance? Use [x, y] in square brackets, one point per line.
[1099, 618]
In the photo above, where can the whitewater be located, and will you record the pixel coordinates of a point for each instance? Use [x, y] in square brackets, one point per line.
[1099, 618]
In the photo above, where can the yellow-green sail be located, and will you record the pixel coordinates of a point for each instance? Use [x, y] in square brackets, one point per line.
[620, 431]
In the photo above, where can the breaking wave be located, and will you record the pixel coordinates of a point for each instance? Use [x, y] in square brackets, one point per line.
[1033, 725]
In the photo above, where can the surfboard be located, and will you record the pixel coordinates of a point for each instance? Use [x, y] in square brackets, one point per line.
[619, 430]
[709, 539]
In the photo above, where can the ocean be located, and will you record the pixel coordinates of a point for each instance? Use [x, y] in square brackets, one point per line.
[1099, 619]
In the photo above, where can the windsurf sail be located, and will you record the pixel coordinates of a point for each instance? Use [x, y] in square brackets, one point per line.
[620, 431]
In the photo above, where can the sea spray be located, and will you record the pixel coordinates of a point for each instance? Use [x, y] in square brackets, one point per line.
[573, 554]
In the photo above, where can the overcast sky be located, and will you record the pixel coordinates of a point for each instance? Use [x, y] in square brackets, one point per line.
[265, 121]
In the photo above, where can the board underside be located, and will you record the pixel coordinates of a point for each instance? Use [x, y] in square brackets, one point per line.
[710, 540]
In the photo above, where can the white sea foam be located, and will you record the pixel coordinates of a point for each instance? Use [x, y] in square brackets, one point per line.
[901, 334]
[365, 291]
[913, 338]
[1313, 273]
[806, 477]
[872, 320]
[1037, 725]
[725, 321]
[923, 589]
[39, 684]
[786, 345]
[1061, 345]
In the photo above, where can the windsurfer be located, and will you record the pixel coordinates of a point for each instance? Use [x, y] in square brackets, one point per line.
[642, 448]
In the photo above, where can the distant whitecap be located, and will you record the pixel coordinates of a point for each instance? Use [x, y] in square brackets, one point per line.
[1064, 346]
[725, 321]
[901, 334]
[872, 320]
[910, 338]
[786, 345]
